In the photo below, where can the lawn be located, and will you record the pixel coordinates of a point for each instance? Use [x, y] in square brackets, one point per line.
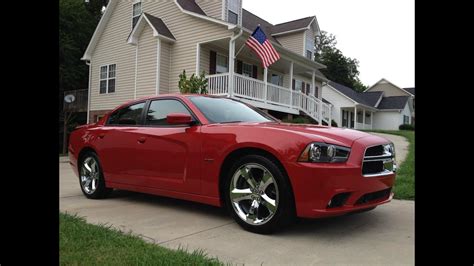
[405, 181]
[81, 243]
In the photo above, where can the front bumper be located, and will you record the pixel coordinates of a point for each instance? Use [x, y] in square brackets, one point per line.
[315, 186]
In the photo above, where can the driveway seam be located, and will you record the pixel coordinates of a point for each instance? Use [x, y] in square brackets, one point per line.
[195, 233]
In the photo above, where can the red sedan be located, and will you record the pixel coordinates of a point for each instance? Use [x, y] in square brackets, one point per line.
[223, 152]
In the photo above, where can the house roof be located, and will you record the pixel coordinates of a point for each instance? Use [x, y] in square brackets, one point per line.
[355, 96]
[191, 6]
[410, 90]
[393, 102]
[301, 23]
[159, 26]
[250, 21]
[372, 97]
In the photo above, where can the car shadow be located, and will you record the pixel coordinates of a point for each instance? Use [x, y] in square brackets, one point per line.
[344, 226]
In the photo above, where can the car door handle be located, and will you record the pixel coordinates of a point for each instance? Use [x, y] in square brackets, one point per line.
[141, 139]
[101, 135]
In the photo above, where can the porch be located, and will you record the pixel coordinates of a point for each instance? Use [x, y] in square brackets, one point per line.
[291, 85]
[363, 119]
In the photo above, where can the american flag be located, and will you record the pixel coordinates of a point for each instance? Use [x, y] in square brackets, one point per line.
[259, 43]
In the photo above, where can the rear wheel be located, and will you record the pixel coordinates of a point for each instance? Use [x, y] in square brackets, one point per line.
[258, 195]
[91, 177]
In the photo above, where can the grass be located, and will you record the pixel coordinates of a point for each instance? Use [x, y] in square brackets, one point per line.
[405, 181]
[81, 243]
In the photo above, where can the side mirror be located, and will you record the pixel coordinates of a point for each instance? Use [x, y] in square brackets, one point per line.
[179, 119]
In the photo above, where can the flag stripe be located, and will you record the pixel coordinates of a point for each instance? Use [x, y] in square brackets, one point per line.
[259, 43]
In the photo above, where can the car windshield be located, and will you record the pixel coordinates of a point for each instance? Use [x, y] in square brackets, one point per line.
[225, 110]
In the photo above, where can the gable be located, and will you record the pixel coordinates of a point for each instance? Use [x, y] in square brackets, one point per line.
[388, 88]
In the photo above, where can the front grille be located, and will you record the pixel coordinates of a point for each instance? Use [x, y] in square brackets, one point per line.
[378, 161]
[374, 196]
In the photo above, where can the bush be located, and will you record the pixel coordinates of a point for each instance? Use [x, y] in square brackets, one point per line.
[195, 84]
[406, 127]
[333, 123]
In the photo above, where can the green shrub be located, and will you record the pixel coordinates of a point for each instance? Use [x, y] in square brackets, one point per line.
[333, 123]
[406, 127]
[195, 84]
[298, 120]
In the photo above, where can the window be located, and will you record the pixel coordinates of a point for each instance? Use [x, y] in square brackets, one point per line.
[233, 18]
[359, 117]
[309, 54]
[137, 11]
[406, 120]
[130, 115]
[222, 64]
[276, 79]
[161, 108]
[298, 85]
[224, 110]
[107, 78]
[247, 70]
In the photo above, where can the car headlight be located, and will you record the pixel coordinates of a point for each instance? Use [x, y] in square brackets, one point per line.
[319, 152]
[389, 149]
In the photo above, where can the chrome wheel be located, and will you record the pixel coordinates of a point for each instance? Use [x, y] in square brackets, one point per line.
[90, 175]
[254, 194]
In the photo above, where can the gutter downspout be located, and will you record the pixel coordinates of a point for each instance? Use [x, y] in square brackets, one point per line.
[89, 92]
[232, 61]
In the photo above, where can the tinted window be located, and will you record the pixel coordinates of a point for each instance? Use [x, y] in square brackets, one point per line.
[223, 110]
[129, 115]
[161, 108]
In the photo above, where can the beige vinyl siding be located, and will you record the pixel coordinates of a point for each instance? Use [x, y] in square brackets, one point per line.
[389, 90]
[212, 8]
[294, 42]
[165, 64]
[146, 69]
[112, 49]
[188, 31]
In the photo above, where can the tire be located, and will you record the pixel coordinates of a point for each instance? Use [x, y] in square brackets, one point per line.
[91, 177]
[250, 187]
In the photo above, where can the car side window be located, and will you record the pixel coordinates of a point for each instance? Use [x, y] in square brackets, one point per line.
[130, 115]
[159, 109]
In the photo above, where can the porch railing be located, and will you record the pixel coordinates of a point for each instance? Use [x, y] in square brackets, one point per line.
[271, 95]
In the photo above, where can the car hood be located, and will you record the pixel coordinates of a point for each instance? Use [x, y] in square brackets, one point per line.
[334, 135]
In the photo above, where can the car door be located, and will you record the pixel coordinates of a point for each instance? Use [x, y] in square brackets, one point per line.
[170, 155]
[117, 143]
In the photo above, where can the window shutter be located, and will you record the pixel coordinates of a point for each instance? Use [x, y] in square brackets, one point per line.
[316, 91]
[308, 88]
[293, 84]
[254, 72]
[303, 87]
[239, 67]
[212, 62]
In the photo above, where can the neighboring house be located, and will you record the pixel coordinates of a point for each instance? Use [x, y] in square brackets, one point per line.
[391, 89]
[367, 110]
[139, 48]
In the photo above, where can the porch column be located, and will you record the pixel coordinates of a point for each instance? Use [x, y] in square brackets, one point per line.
[265, 77]
[363, 117]
[198, 58]
[355, 117]
[291, 82]
[371, 120]
[231, 67]
[314, 84]
[330, 115]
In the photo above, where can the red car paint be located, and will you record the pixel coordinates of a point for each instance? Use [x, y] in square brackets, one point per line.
[191, 159]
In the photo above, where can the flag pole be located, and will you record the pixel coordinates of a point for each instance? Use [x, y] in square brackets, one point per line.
[242, 47]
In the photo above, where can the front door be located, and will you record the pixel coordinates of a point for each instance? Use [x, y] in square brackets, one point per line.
[170, 154]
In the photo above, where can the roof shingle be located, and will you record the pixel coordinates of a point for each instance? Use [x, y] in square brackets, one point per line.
[159, 26]
[292, 25]
[410, 90]
[393, 102]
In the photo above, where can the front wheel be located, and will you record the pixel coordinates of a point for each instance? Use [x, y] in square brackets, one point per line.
[91, 177]
[258, 195]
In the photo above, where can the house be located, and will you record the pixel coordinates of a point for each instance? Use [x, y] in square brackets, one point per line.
[139, 48]
[391, 89]
[375, 109]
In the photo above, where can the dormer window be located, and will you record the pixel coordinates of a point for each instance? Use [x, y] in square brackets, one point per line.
[233, 11]
[137, 11]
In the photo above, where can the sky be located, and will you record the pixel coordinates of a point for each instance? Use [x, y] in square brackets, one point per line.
[378, 33]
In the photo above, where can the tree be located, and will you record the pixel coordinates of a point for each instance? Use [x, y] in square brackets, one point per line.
[340, 69]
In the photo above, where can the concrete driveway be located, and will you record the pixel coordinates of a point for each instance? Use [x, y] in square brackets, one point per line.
[382, 236]
[401, 145]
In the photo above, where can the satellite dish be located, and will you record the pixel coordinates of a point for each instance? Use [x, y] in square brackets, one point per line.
[69, 98]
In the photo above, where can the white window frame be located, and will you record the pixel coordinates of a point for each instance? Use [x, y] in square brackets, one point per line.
[217, 63]
[250, 75]
[108, 78]
[135, 2]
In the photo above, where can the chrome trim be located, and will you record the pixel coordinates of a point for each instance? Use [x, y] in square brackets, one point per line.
[387, 157]
[384, 173]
